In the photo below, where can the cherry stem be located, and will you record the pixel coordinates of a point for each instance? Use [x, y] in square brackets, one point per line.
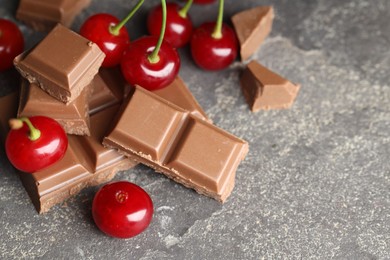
[153, 57]
[183, 12]
[217, 34]
[115, 29]
[17, 123]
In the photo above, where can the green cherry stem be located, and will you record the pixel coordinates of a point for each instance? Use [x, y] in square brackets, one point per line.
[217, 34]
[114, 30]
[17, 123]
[183, 12]
[153, 57]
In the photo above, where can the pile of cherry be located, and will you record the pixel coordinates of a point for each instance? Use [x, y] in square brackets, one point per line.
[151, 62]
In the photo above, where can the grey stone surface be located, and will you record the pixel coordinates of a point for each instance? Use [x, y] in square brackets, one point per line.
[315, 184]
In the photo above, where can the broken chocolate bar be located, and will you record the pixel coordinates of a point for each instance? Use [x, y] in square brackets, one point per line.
[86, 163]
[74, 118]
[43, 15]
[179, 94]
[62, 64]
[185, 148]
[264, 89]
[252, 26]
[8, 109]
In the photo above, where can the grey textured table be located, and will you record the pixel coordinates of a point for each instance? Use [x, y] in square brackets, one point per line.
[315, 184]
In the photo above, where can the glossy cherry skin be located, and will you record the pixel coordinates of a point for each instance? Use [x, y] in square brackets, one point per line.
[122, 209]
[178, 29]
[11, 43]
[210, 53]
[138, 70]
[96, 29]
[31, 156]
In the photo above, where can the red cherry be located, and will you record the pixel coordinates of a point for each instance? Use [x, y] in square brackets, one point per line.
[139, 70]
[122, 209]
[11, 43]
[211, 53]
[35, 143]
[97, 29]
[178, 27]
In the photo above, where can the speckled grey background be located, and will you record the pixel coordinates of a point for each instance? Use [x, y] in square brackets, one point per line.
[315, 184]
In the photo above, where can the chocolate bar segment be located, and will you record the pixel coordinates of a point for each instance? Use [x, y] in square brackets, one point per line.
[74, 118]
[185, 148]
[62, 64]
[43, 15]
[8, 109]
[108, 89]
[264, 89]
[178, 93]
[252, 26]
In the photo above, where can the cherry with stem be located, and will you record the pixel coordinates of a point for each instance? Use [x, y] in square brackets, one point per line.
[109, 34]
[151, 62]
[178, 25]
[214, 44]
[35, 143]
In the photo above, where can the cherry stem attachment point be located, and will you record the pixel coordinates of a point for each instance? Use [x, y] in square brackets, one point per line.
[217, 34]
[153, 57]
[17, 123]
[114, 30]
[183, 12]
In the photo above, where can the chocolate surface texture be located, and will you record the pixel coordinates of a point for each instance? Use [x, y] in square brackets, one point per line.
[74, 117]
[252, 26]
[264, 89]
[171, 140]
[8, 109]
[62, 64]
[43, 15]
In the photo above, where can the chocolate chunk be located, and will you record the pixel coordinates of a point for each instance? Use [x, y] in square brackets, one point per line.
[74, 117]
[252, 26]
[108, 88]
[179, 94]
[86, 163]
[171, 140]
[62, 64]
[8, 110]
[43, 15]
[264, 89]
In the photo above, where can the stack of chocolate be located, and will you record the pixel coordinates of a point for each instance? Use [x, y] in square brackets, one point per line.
[166, 130]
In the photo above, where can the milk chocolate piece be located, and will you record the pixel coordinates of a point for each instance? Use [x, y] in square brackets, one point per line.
[108, 89]
[179, 94]
[171, 140]
[86, 163]
[264, 89]
[62, 64]
[8, 109]
[252, 26]
[74, 118]
[43, 15]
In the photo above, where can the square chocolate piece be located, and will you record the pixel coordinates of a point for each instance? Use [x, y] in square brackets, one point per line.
[62, 64]
[252, 26]
[74, 117]
[264, 89]
[43, 15]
